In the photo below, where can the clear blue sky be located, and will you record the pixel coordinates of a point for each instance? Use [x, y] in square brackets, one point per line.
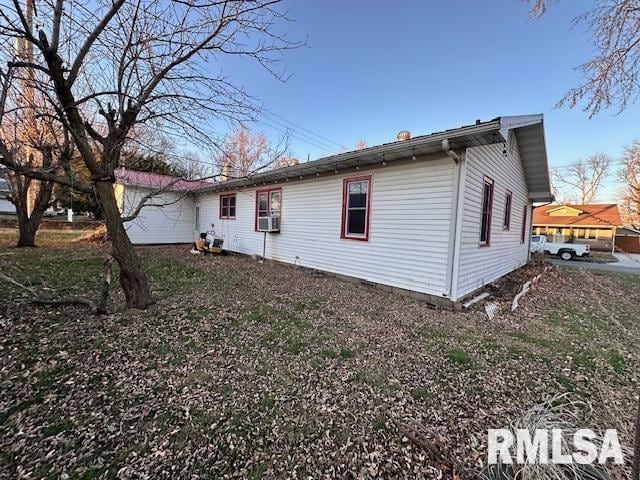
[372, 68]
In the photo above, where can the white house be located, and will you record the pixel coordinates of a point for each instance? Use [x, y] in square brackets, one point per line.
[438, 215]
[5, 205]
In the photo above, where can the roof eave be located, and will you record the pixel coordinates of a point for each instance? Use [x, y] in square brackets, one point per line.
[541, 197]
[473, 135]
[529, 131]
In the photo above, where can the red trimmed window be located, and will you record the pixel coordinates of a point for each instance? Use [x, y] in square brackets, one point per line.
[228, 206]
[268, 203]
[356, 207]
[523, 233]
[506, 221]
[487, 212]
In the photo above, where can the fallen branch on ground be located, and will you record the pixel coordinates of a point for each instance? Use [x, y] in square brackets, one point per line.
[432, 443]
[8, 279]
[67, 300]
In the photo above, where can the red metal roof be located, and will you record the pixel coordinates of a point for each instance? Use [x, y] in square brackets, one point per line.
[155, 180]
[596, 214]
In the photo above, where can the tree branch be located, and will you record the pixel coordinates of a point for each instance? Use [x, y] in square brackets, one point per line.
[84, 50]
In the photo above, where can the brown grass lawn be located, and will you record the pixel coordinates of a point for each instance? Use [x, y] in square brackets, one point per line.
[247, 370]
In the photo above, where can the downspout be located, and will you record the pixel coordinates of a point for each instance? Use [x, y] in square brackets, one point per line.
[453, 243]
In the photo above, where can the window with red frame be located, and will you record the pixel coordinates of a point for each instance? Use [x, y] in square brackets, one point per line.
[356, 206]
[487, 207]
[268, 203]
[228, 206]
[523, 233]
[506, 222]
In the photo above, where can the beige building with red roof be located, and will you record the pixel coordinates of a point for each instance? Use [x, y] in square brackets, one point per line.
[593, 224]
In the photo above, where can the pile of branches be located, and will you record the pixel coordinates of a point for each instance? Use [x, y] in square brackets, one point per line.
[97, 236]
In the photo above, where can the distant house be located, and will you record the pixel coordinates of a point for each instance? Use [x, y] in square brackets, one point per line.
[437, 216]
[5, 205]
[593, 224]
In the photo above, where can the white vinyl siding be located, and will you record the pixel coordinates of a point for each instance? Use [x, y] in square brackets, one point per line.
[479, 265]
[410, 234]
[174, 222]
[410, 219]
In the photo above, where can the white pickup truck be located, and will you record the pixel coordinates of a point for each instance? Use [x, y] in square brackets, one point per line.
[566, 251]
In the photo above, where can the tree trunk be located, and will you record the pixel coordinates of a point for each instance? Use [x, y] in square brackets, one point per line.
[27, 229]
[132, 277]
[29, 221]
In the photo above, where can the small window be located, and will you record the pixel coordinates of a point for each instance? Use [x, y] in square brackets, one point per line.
[356, 204]
[487, 206]
[228, 206]
[523, 234]
[197, 225]
[268, 203]
[506, 222]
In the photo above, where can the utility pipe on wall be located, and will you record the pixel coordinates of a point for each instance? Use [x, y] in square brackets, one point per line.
[456, 203]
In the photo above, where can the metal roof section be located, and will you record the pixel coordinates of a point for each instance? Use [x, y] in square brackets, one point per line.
[481, 133]
[529, 131]
[155, 180]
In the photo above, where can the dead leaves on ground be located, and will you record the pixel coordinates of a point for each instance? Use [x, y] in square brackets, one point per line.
[247, 370]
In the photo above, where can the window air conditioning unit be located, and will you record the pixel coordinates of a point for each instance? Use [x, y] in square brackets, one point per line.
[269, 224]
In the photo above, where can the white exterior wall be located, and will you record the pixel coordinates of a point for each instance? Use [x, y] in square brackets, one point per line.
[478, 265]
[6, 206]
[172, 223]
[410, 220]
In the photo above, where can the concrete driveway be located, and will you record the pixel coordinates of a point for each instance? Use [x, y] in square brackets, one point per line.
[627, 263]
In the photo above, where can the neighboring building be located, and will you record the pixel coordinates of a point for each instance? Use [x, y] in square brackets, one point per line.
[628, 240]
[5, 205]
[593, 224]
[440, 215]
[171, 222]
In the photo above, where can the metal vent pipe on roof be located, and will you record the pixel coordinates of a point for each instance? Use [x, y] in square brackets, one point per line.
[403, 135]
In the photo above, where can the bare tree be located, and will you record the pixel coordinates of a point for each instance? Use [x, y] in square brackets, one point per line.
[109, 68]
[583, 179]
[286, 161]
[630, 176]
[245, 153]
[560, 193]
[194, 166]
[242, 152]
[611, 77]
[29, 142]
[24, 141]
